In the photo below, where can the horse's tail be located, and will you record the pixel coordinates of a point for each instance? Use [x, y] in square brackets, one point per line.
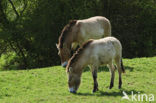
[122, 67]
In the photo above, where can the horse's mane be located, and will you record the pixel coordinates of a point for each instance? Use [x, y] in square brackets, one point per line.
[77, 54]
[64, 32]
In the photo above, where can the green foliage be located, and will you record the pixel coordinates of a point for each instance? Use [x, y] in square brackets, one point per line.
[49, 85]
[9, 61]
[33, 34]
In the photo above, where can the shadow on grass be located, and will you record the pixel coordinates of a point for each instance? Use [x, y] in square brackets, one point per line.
[103, 93]
[106, 69]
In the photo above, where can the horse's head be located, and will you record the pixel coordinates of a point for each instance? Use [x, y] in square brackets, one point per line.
[64, 54]
[65, 41]
[73, 80]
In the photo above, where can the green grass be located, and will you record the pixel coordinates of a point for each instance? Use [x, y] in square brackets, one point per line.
[49, 85]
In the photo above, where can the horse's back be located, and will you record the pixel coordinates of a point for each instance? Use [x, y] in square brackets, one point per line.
[94, 27]
[95, 18]
[109, 43]
[106, 41]
[105, 49]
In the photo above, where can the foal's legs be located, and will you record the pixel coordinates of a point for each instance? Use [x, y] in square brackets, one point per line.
[112, 71]
[94, 74]
[118, 64]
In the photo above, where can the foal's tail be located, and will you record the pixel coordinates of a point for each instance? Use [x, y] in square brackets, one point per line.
[122, 67]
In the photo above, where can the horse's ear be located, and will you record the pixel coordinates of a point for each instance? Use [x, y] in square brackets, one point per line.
[57, 45]
[72, 22]
[70, 69]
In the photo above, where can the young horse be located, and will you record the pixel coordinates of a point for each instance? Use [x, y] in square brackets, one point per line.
[95, 53]
[78, 31]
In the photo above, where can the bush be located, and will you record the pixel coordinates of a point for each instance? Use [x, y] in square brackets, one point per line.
[33, 36]
[9, 61]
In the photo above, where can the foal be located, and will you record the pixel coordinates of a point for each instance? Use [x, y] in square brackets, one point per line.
[95, 53]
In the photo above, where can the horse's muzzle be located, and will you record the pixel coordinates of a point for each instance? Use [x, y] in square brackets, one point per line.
[71, 90]
[64, 64]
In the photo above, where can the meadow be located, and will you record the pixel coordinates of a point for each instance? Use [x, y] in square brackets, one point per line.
[49, 85]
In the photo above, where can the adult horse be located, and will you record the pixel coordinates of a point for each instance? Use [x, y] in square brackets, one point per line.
[78, 31]
[95, 53]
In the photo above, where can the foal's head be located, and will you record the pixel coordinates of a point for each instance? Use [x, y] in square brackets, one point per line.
[65, 41]
[73, 79]
[75, 68]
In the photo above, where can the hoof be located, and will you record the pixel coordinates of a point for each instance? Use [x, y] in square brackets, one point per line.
[95, 90]
[119, 87]
[111, 87]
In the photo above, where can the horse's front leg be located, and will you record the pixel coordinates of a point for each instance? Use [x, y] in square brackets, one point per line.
[94, 74]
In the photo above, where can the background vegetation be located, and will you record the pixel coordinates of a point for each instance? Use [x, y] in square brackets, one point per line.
[29, 29]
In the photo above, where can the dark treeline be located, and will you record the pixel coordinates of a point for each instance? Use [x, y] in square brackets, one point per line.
[29, 29]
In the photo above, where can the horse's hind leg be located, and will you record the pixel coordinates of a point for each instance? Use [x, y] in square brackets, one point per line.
[112, 71]
[118, 64]
[94, 74]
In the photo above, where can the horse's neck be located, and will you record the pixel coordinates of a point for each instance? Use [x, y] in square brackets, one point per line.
[74, 33]
[81, 62]
[69, 41]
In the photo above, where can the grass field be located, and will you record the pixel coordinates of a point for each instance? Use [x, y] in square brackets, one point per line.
[49, 85]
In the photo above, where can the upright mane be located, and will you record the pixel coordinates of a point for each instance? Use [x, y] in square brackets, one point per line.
[77, 54]
[65, 31]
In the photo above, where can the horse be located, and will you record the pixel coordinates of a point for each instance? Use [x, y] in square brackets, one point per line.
[76, 32]
[105, 51]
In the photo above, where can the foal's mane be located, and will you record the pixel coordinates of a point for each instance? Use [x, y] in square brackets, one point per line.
[65, 31]
[77, 54]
